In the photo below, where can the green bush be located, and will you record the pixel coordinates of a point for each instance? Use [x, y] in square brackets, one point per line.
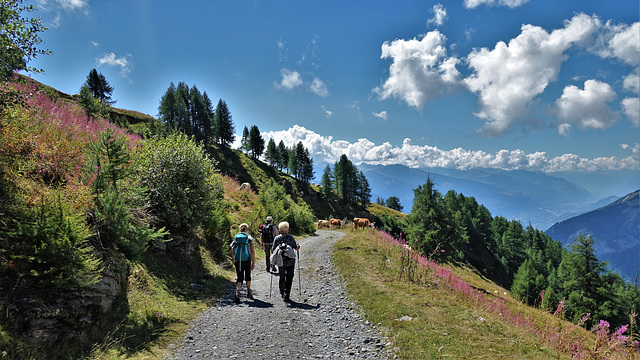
[119, 211]
[278, 204]
[50, 241]
[185, 192]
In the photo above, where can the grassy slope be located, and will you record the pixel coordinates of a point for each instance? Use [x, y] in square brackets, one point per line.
[444, 324]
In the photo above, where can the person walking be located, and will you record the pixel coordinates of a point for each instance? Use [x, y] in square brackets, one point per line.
[244, 259]
[286, 244]
[268, 232]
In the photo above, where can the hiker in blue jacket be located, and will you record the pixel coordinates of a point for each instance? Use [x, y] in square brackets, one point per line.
[287, 245]
[244, 259]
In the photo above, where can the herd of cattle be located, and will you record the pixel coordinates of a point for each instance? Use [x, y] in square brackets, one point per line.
[337, 223]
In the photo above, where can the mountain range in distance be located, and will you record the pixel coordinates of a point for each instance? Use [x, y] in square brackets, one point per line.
[535, 198]
[615, 230]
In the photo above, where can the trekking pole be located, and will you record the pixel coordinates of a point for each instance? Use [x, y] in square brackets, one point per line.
[270, 283]
[299, 287]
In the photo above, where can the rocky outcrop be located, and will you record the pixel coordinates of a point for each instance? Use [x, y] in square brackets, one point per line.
[46, 315]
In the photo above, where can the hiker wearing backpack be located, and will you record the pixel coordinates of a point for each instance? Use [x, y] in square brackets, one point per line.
[285, 244]
[241, 249]
[268, 232]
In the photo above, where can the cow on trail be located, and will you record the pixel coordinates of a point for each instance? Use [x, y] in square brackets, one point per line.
[361, 222]
[323, 223]
[336, 223]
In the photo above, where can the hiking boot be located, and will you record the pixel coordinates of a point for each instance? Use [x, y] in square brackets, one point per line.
[287, 299]
[236, 298]
[249, 294]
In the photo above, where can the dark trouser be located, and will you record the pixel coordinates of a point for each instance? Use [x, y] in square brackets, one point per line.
[267, 254]
[286, 279]
[243, 271]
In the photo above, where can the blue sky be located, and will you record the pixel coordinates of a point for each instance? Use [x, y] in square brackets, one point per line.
[510, 84]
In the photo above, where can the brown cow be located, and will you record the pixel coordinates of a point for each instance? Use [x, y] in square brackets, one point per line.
[323, 223]
[361, 222]
[336, 223]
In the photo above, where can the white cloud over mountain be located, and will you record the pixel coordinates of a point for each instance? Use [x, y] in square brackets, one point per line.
[326, 149]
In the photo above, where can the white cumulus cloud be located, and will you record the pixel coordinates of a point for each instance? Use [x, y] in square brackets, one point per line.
[421, 70]
[439, 15]
[290, 79]
[472, 4]
[622, 42]
[631, 108]
[588, 108]
[110, 59]
[509, 77]
[326, 149]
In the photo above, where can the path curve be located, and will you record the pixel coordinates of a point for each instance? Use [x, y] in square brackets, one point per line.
[321, 323]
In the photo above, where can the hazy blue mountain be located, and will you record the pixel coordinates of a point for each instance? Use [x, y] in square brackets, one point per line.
[527, 196]
[604, 183]
[538, 198]
[615, 229]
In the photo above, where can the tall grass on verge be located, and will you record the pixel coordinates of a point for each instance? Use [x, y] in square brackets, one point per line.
[565, 338]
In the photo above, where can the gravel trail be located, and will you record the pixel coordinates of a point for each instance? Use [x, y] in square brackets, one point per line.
[320, 323]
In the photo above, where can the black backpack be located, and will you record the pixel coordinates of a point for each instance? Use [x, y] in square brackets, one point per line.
[267, 234]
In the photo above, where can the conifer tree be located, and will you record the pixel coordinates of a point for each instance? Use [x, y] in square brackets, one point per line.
[272, 155]
[244, 141]
[363, 190]
[327, 182]
[293, 163]
[183, 108]
[306, 171]
[284, 156]
[256, 142]
[167, 108]
[99, 87]
[393, 202]
[198, 113]
[345, 177]
[223, 128]
[208, 119]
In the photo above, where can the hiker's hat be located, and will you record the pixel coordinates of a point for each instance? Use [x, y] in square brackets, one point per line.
[269, 218]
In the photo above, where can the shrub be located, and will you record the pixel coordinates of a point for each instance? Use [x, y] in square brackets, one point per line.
[184, 189]
[49, 241]
[278, 204]
[119, 206]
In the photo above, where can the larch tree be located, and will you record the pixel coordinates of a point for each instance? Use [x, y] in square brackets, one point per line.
[393, 202]
[244, 141]
[273, 155]
[256, 142]
[327, 182]
[99, 87]
[284, 156]
[223, 125]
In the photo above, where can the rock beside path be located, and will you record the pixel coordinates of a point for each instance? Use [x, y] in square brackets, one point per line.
[320, 323]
